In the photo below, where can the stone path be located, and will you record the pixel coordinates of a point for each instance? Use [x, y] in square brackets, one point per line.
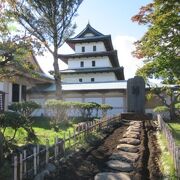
[127, 153]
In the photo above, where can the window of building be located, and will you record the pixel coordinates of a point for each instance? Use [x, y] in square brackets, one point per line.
[15, 93]
[83, 49]
[93, 63]
[82, 64]
[80, 79]
[94, 48]
[92, 79]
[23, 95]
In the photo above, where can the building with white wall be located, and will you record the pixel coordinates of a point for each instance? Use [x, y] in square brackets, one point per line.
[13, 88]
[93, 73]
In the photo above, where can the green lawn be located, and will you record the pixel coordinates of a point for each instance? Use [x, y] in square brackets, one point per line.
[166, 160]
[175, 128]
[43, 131]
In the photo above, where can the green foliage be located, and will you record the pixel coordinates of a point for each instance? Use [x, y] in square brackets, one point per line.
[159, 45]
[160, 109]
[104, 108]
[25, 108]
[175, 129]
[47, 24]
[19, 118]
[58, 110]
[177, 105]
[167, 165]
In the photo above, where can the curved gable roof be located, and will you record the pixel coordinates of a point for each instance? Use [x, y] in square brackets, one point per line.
[88, 29]
[96, 36]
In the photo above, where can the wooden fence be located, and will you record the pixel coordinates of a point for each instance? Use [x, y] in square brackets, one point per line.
[28, 165]
[173, 149]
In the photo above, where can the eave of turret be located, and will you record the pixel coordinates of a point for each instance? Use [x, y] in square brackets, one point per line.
[105, 39]
[119, 71]
[96, 37]
[111, 54]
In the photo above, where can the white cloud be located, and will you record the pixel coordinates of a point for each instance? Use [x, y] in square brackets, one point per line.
[124, 46]
[46, 61]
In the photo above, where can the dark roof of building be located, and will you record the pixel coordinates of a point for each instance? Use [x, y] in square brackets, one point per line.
[97, 36]
[119, 71]
[88, 29]
[111, 54]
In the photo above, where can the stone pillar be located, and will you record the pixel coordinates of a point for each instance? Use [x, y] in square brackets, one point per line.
[136, 95]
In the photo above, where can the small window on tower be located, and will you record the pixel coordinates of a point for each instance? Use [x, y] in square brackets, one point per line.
[82, 64]
[94, 48]
[93, 63]
[80, 79]
[83, 49]
[92, 80]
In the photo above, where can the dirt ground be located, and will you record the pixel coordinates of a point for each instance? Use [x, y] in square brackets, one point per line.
[85, 164]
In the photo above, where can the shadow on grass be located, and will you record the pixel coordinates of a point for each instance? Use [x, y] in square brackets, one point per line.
[42, 122]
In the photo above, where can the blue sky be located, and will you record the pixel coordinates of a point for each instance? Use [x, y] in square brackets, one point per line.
[109, 17]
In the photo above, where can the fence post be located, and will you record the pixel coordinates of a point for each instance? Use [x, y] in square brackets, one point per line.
[64, 138]
[37, 156]
[35, 163]
[24, 162]
[69, 139]
[21, 167]
[47, 151]
[55, 148]
[74, 137]
[15, 168]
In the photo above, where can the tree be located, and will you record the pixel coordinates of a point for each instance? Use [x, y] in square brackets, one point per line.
[160, 48]
[159, 45]
[15, 49]
[48, 21]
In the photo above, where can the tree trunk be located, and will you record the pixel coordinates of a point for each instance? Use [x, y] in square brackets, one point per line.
[57, 77]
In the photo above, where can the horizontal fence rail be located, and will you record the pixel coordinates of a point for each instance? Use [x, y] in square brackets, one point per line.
[29, 165]
[173, 149]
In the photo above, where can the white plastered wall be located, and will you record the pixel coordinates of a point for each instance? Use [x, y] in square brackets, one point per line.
[98, 77]
[74, 63]
[89, 47]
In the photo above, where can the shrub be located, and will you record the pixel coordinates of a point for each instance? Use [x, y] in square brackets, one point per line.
[104, 108]
[57, 110]
[160, 109]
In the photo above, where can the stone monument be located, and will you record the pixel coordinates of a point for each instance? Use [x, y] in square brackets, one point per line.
[136, 95]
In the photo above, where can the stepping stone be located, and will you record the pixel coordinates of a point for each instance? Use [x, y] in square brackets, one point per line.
[132, 141]
[128, 148]
[111, 176]
[125, 156]
[133, 132]
[120, 165]
[131, 135]
[130, 128]
[125, 122]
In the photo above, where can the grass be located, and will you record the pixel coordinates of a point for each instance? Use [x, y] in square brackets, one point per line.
[175, 128]
[166, 160]
[43, 131]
